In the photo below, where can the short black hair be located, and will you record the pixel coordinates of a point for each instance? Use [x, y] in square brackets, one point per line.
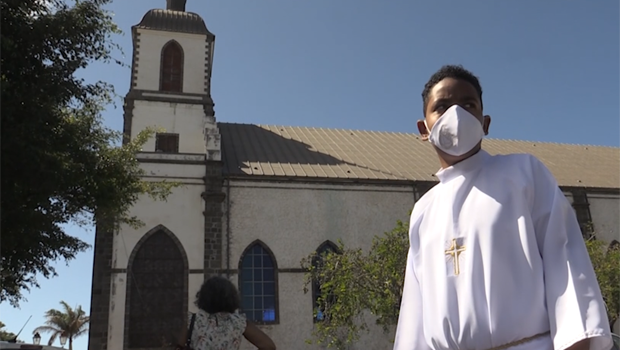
[218, 294]
[454, 72]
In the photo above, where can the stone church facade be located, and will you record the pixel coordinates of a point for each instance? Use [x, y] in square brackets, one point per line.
[254, 200]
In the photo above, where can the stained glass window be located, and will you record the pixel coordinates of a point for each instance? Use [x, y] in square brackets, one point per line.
[257, 285]
[325, 248]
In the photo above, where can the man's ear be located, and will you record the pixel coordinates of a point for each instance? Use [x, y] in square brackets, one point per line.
[424, 132]
[486, 123]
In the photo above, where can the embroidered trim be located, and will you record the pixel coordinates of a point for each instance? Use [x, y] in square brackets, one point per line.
[519, 342]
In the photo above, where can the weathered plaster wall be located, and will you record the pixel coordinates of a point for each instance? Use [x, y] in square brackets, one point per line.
[293, 220]
[187, 120]
[605, 210]
[181, 213]
[149, 59]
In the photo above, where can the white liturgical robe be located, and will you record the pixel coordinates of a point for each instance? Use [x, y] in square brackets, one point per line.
[496, 257]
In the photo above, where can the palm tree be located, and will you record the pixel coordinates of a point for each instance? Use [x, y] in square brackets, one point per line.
[71, 323]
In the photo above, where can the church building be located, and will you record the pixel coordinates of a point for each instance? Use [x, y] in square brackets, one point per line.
[254, 199]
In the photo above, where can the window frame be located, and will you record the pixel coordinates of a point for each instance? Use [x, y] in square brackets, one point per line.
[322, 248]
[268, 252]
[131, 280]
[165, 77]
[167, 134]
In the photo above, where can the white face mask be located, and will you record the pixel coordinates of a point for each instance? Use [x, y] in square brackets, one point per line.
[456, 132]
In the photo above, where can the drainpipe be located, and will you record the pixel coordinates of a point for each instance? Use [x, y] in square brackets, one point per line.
[228, 229]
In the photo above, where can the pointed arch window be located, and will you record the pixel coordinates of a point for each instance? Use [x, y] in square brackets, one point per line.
[258, 284]
[326, 247]
[156, 290]
[171, 74]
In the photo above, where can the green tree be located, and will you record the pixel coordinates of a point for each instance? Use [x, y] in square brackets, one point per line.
[59, 163]
[354, 284]
[4, 335]
[71, 323]
[606, 262]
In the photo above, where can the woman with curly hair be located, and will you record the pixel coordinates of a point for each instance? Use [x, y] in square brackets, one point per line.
[217, 324]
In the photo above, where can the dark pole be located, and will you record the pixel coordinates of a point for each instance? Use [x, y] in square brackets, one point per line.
[176, 5]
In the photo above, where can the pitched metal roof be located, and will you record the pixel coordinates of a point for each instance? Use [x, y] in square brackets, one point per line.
[285, 151]
[173, 21]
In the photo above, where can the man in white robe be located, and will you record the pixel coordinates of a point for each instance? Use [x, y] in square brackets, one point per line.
[496, 259]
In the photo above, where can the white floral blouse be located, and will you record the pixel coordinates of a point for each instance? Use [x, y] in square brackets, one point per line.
[220, 331]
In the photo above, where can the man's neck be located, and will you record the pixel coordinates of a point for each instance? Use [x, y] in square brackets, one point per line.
[447, 160]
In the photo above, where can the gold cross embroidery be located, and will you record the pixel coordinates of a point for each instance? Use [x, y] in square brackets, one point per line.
[453, 252]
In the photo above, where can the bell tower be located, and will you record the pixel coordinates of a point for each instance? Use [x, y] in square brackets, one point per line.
[145, 279]
[170, 80]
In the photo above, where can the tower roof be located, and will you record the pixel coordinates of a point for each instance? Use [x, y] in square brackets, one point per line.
[174, 19]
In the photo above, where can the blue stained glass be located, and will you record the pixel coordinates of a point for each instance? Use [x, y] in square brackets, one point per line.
[269, 315]
[319, 315]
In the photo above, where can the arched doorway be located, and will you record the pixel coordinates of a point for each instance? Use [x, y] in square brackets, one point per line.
[156, 290]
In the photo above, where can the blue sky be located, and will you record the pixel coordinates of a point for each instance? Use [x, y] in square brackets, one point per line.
[549, 70]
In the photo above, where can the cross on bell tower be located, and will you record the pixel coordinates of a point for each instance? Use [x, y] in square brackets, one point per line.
[176, 5]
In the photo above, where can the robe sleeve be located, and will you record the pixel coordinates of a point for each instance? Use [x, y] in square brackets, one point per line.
[410, 332]
[574, 301]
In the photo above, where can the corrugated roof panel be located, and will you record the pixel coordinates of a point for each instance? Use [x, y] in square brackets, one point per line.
[351, 154]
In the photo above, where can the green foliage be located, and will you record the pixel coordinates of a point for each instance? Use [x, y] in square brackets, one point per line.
[4, 335]
[354, 283]
[70, 322]
[60, 164]
[606, 262]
